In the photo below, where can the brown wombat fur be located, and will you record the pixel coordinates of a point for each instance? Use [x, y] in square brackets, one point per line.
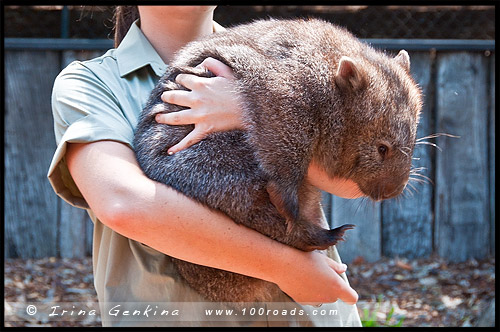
[309, 90]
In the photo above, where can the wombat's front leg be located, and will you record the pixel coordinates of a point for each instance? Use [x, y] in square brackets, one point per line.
[332, 237]
[308, 232]
[312, 237]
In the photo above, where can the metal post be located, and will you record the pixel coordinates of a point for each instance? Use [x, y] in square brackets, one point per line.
[65, 22]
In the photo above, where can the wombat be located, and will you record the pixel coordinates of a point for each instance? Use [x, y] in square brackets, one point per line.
[310, 91]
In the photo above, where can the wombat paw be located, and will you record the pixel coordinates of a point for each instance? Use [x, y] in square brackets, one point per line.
[337, 234]
[329, 238]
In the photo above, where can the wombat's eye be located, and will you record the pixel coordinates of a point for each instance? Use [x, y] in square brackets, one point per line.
[382, 150]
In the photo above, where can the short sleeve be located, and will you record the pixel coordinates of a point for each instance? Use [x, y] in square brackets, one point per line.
[84, 110]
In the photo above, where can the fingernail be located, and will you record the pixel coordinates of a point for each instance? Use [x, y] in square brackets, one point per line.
[170, 153]
[157, 117]
[345, 266]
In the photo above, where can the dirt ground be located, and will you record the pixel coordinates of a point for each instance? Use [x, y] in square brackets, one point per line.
[426, 292]
[423, 292]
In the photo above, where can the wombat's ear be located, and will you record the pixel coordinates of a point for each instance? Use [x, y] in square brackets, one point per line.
[349, 75]
[403, 59]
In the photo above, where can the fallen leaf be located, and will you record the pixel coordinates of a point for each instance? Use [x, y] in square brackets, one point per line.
[404, 265]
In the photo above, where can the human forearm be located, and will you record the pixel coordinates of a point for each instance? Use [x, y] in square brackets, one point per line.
[177, 226]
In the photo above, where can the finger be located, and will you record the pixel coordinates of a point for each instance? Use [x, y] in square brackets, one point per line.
[345, 292]
[336, 266]
[193, 137]
[183, 117]
[350, 296]
[177, 97]
[218, 68]
[191, 82]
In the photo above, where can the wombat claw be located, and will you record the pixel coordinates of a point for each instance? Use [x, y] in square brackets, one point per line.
[327, 238]
[338, 233]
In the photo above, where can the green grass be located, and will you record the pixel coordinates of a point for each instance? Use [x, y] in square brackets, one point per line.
[369, 319]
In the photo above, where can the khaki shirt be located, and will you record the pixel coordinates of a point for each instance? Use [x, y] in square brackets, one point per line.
[101, 99]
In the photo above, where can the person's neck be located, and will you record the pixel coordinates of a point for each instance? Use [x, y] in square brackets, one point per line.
[168, 36]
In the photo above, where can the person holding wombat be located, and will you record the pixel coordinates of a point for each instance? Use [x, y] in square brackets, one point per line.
[139, 223]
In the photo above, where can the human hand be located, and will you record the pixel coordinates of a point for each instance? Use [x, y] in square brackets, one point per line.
[212, 103]
[317, 282]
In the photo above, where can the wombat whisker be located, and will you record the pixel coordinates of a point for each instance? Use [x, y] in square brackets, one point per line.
[397, 200]
[414, 170]
[436, 135]
[422, 176]
[361, 202]
[412, 186]
[431, 144]
[421, 139]
[414, 173]
[357, 204]
[408, 191]
[424, 179]
[401, 149]
[417, 171]
[364, 201]
[417, 180]
[410, 183]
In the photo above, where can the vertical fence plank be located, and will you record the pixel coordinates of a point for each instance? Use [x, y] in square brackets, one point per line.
[365, 239]
[462, 222]
[407, 219]
[31, 228]
[492, 155]
[75, 225]
[72, 228]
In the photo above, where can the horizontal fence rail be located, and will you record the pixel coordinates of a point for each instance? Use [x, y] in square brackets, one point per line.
[389, 44]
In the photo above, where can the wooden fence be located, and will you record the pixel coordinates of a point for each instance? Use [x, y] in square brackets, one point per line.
[453, 216]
